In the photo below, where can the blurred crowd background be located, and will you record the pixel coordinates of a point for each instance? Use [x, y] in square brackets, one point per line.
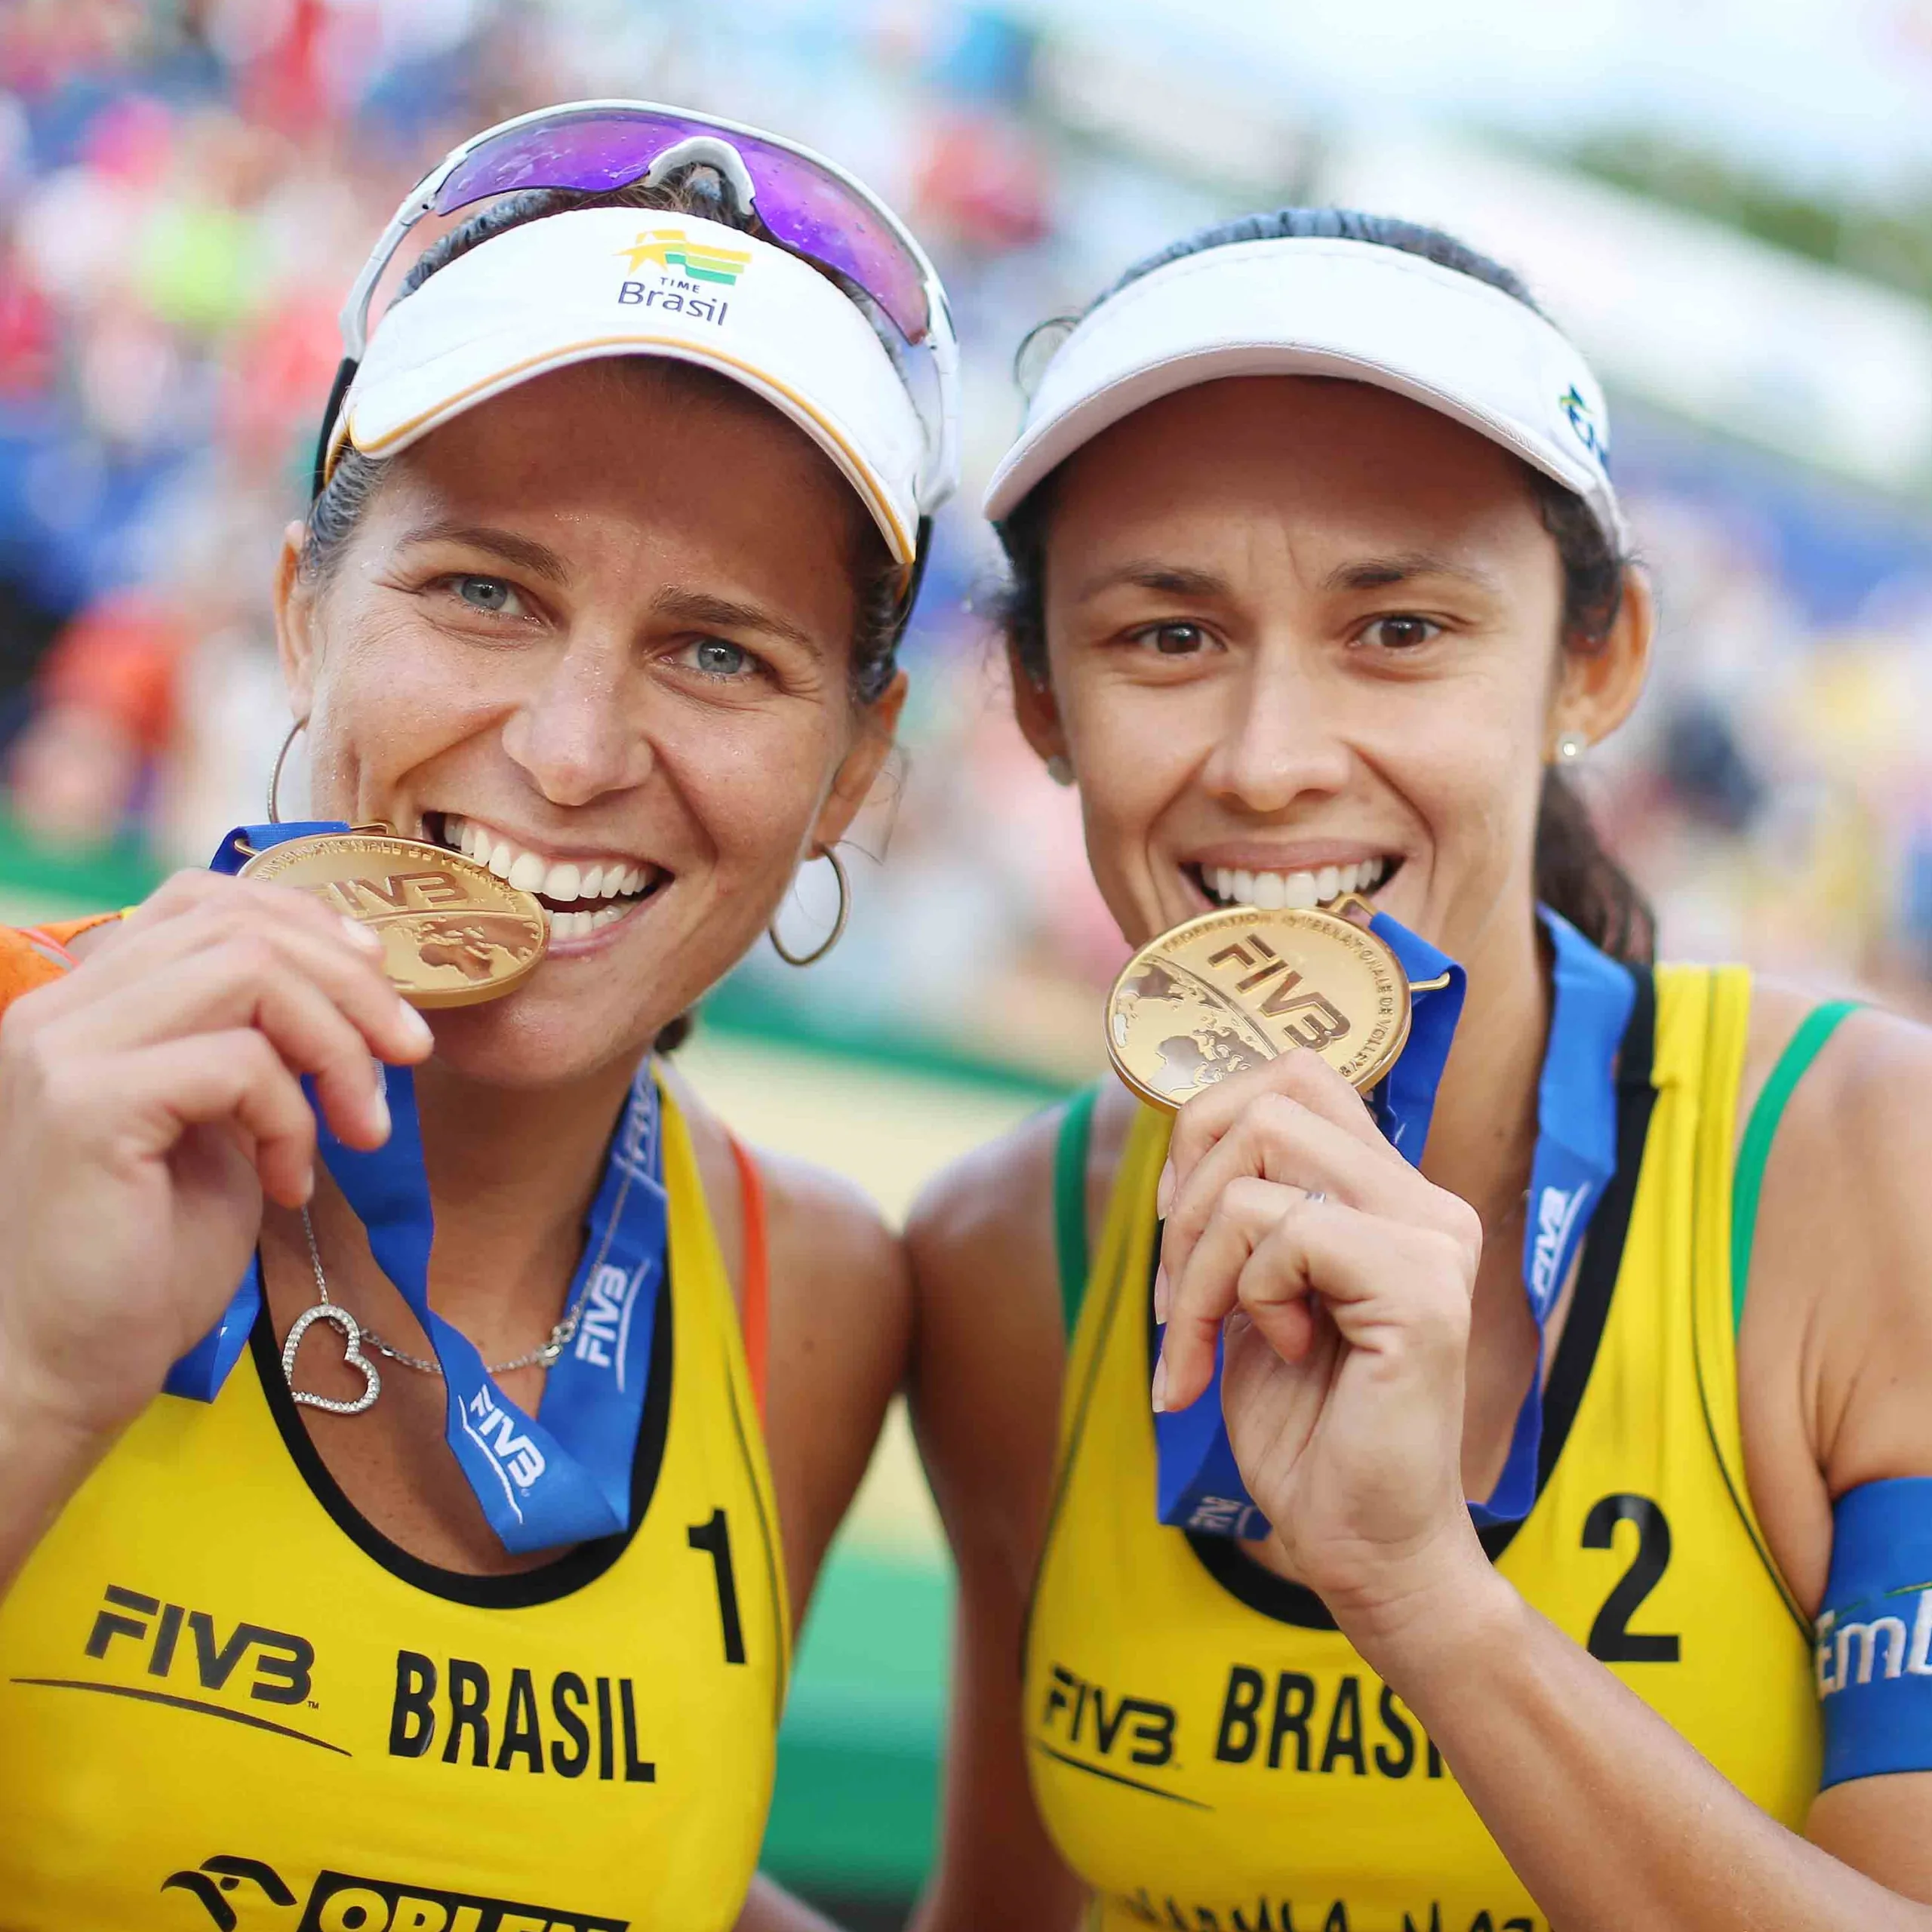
[1730, 206]
[187, 189]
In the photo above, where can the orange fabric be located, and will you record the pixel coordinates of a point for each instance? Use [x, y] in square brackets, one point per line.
[31, 957]
[120, 659]
[755, 1317]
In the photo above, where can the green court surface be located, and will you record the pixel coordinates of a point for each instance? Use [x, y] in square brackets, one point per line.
[857, 1795]
[856, 1807]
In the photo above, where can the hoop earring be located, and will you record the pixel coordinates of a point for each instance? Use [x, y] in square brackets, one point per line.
[275, 777]
[1570, 747]
[838, 932]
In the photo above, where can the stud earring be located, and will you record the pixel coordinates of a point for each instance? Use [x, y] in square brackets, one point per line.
[1060, 768]
[1570, 747]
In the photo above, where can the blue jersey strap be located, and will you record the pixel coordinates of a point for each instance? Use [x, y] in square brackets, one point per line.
[1873, 1637]
[1591, 996]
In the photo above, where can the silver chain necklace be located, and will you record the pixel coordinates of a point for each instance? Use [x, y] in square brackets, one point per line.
[327, 1309]
[354, 1335]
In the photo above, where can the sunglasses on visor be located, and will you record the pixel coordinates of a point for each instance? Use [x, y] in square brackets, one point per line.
[805, 202]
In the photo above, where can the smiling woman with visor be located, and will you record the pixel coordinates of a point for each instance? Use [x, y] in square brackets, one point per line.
[452, 1584]
[1570, 1563]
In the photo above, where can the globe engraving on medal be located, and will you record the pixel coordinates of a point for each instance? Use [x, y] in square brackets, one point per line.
[452, 932]
[1235, 989]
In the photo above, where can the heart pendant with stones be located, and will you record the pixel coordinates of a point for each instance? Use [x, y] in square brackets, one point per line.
[339, 1317]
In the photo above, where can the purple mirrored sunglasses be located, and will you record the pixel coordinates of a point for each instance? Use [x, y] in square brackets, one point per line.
[806, 202]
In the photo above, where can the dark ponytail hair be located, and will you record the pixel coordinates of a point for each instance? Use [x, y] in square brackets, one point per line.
[1575, 874]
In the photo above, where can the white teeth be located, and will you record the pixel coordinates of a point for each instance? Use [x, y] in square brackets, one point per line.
[582, 924]
[1295, 890]
[558, 879]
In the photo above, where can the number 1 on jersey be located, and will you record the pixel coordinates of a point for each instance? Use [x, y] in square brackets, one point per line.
[715, 1538]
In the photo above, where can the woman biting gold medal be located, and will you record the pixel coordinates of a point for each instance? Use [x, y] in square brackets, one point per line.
[516, 1405]
[1531, 1521]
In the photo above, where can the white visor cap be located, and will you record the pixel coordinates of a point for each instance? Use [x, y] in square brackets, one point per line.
[1321, 307]
[594, 283]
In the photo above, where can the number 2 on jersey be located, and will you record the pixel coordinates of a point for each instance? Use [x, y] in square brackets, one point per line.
[1612, 1640]
[715, 1538]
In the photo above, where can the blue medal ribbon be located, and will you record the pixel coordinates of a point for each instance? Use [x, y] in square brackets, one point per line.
[563, 1476]
[1198, 1485]
[1576, 1160]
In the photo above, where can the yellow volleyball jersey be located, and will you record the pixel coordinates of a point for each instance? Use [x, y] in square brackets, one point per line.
[225, 1700]
[1209, 1752]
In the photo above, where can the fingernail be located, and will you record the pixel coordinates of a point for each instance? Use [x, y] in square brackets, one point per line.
[416, 1026]
[1161, 1383]
[1163, 1193]
[1160, 1293]
[369, 941]
[379, 1106]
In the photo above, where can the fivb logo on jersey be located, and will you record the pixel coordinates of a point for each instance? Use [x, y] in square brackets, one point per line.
[1557, 1210]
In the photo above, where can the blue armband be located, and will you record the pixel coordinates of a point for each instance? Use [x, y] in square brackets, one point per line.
[1874, 1636]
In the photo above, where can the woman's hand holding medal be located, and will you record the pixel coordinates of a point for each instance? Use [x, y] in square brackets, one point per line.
[1343, 1278]
[150, 1101]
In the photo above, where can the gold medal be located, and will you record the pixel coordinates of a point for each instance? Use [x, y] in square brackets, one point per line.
[452, 932]
[1234, 989]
